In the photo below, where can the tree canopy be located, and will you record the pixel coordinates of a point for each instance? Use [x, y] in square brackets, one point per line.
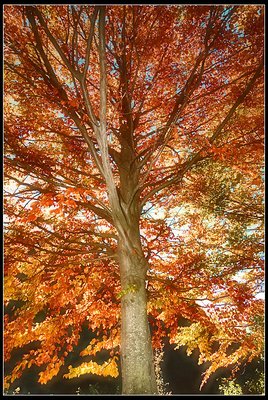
[116, 112]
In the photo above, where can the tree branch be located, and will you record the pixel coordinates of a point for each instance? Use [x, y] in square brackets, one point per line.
[198, 157]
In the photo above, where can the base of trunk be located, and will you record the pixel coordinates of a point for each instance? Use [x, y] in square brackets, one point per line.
[137, 363]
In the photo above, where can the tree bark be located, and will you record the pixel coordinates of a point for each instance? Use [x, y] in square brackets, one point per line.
[138, 375]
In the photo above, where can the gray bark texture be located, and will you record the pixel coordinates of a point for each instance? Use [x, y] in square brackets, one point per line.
[138, 375]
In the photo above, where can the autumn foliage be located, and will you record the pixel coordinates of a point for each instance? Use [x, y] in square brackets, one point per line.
[163, 115]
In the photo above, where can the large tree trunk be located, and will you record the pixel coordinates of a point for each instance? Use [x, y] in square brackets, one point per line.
[137, 365]
[138, 375]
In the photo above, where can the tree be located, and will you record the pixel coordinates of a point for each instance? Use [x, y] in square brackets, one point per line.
[133, 162]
